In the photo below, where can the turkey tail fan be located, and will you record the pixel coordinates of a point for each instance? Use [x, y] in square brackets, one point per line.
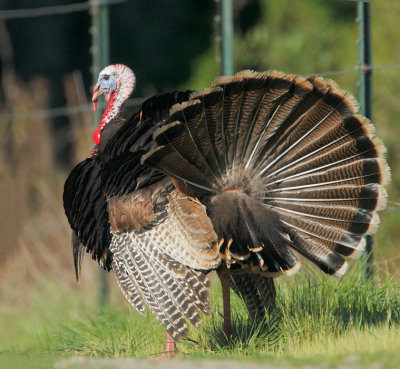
[173, 292]
[281, 162]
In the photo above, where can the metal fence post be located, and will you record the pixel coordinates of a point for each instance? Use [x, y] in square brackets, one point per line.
[365, 91]
[225, 18]
[100, 55]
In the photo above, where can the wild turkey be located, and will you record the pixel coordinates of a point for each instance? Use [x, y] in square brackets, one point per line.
[118, 210]
[239, 178]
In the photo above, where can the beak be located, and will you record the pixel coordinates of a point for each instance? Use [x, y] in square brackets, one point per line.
[97, 91]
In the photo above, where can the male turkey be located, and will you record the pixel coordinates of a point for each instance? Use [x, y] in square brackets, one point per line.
[239, 178]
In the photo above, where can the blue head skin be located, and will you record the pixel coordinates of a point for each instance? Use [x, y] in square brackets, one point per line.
[106, 85]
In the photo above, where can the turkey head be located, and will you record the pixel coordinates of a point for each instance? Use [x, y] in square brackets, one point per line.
[116, 83]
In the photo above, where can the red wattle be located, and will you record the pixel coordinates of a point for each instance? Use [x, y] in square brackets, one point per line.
[96, 136]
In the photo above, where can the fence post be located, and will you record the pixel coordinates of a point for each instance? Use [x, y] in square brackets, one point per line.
[225, 18]
[100, 57]
[365, 91]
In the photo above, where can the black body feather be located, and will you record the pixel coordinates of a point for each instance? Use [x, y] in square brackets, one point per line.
[113, 169]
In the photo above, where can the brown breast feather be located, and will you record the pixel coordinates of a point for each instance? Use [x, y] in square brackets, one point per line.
[135, 210]
[187, 220]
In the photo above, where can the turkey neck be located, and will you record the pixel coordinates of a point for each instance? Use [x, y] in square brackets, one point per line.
[126, 82]
[113, 108]
[110, 130]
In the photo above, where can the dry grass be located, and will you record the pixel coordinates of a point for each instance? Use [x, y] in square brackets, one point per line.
[35, 241]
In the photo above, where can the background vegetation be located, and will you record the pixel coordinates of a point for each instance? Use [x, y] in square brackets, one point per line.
[44, 310]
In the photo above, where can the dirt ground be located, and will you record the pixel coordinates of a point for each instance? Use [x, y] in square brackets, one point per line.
[84, 363]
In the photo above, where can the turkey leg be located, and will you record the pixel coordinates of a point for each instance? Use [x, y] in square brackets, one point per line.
[224, 276]
[170, 348]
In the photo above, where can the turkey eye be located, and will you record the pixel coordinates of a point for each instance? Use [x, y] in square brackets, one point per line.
[106, 77]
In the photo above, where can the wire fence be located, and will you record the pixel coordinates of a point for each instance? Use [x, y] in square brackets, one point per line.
[77, 109]
[358, 68]
[53, 10]
[60, 111]
[79, 7]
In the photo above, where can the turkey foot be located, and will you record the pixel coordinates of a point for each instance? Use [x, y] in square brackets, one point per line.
[170, 349]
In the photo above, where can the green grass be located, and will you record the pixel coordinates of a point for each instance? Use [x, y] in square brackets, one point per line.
[311, 312]
[317, 318]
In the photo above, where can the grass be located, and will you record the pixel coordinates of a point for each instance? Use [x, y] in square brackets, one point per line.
[311, 311]
[317, 319]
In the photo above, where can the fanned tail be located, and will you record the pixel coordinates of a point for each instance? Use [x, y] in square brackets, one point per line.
[282, 163]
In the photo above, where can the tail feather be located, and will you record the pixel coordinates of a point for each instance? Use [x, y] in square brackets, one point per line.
[271, 117]
[331, 143]
[326, 259]
[244, 287]
[359, 218]
[231, 103]
[273, 155]
[212, 103]
[325, 113]
[192, 144]
[238, 94]
[207, 131]
[266, 287]
[346, 244]
[257, 291]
